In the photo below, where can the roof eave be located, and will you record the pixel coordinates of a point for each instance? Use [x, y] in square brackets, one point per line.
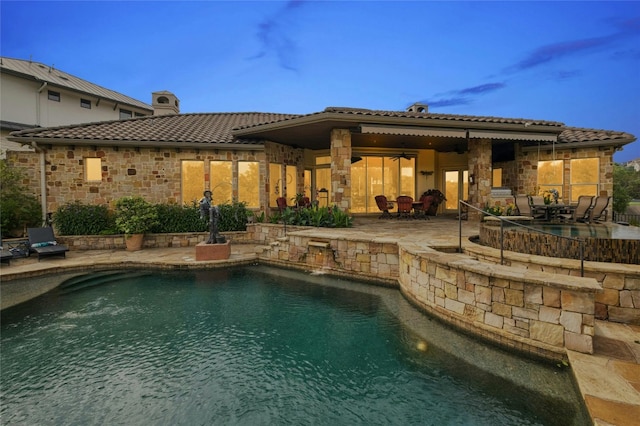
[617, 143]
[136, 143]
[354, 120]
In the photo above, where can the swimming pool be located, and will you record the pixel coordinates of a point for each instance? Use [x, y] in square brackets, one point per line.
[258, 345]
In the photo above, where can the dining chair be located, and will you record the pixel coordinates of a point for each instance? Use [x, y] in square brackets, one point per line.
[384, 206]
[599, 208]
[525, 207]
[405, 205]
[579, 213]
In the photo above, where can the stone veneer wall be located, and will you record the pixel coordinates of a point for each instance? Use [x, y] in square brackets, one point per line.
[539, 312]
[116, 242]
[618, 302]
[152, 173]
[527, 164]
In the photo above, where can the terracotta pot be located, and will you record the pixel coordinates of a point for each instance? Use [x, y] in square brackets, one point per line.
[134, 242]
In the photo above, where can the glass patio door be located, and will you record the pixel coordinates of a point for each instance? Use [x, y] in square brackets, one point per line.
[456, 187]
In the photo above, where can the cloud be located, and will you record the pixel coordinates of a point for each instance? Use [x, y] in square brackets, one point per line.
[449, 102]
[274, 38]
[565, 75]
[483, 88]
[625, 28]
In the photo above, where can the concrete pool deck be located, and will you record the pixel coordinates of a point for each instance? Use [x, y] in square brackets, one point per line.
[609, 380]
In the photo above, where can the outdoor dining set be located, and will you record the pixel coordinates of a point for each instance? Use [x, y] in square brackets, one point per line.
[588, 209]
[405, 207]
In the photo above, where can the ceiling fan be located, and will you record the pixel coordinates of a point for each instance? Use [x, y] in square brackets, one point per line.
[397, 157]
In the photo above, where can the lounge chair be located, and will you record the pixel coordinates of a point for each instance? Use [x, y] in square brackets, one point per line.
[405, 205]
[384, 206]
[599, 209]
[525, 208]
[579, 213]
[43, 243]
[5, 254]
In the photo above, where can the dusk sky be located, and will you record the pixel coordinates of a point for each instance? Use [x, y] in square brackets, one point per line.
[577, 62]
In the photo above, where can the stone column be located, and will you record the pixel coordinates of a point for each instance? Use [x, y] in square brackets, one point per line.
[341, 168]
[481, 170]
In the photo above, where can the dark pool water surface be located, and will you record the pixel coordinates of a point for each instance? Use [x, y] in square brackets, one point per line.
[258, 346]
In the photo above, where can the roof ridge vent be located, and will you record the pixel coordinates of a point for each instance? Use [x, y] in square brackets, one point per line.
[418, 107]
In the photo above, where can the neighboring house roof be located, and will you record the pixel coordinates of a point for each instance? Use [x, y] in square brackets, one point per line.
[313, 130]
[174, 130]
[45, 73]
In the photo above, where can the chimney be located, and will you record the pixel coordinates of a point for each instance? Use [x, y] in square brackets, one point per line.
[418, 107]
[165, 103]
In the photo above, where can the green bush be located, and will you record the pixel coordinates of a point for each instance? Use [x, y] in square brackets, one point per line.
[18, 209]
[324, 217]
[81, 219]
[135, 215]
[175, 218]
[233, 217]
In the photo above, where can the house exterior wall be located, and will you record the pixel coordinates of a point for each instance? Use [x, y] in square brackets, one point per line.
[527, 165]
[21, 103]
[154, 174]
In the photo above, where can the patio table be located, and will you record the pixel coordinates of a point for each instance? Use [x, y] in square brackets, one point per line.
[551, 210]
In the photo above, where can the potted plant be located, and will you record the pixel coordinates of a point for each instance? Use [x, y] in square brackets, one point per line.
[134, 216]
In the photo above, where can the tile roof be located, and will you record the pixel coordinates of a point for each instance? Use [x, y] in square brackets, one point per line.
[177, 128]
[425, 116]
[202, 128]
[55, 77]
[576, 134]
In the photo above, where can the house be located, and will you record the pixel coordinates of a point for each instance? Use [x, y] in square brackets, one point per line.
[338, 156]
[39, 95]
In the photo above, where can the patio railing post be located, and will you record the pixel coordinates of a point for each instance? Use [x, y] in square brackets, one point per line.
[460, 226]
[582, 258]
[502, 242]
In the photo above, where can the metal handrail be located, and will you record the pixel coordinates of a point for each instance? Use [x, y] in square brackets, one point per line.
[502, 220]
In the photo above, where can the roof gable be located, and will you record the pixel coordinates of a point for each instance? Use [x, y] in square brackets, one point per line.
[44, 73]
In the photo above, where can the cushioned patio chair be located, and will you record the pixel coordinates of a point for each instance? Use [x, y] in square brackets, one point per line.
[5, 254]
[384, 206]
[579, 213]
[525, 208]
[282, 203]
[599, 209]
[405, 205]
[44, 244]
[421, 208]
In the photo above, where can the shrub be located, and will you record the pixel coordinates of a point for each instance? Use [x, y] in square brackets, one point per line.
[325, 217]
[18, 209]
[135, 215]
[80, 219]
[175, 218]
[233, 217]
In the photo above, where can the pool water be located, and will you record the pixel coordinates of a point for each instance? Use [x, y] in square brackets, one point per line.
[257, 346]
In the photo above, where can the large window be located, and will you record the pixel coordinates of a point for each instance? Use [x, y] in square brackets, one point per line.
[550, 176]
[380, 176]
[275, 183]
[585, 177]
[292, 182]
[93, 169]
[249, 183]
[192, 181]
[220, 182]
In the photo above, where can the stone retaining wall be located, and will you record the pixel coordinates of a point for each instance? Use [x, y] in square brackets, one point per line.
[115, 242]
[618, 302]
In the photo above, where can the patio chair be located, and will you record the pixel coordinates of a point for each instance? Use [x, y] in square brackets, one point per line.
[580, 212]
[405, 205]
[5, 254]
[384, 205]
[421, 208]
[282, 203]
[599, 209]
[43, 243]
[525, 208]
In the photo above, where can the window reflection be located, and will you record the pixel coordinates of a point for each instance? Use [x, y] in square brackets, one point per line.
[192, 181]
[249, 183]
[585, 177]
[220, 178]
[550, 176]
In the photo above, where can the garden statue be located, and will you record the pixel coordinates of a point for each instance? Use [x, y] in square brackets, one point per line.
[211, 213]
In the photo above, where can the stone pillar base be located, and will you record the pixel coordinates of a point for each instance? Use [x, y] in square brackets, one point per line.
[206, 251]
